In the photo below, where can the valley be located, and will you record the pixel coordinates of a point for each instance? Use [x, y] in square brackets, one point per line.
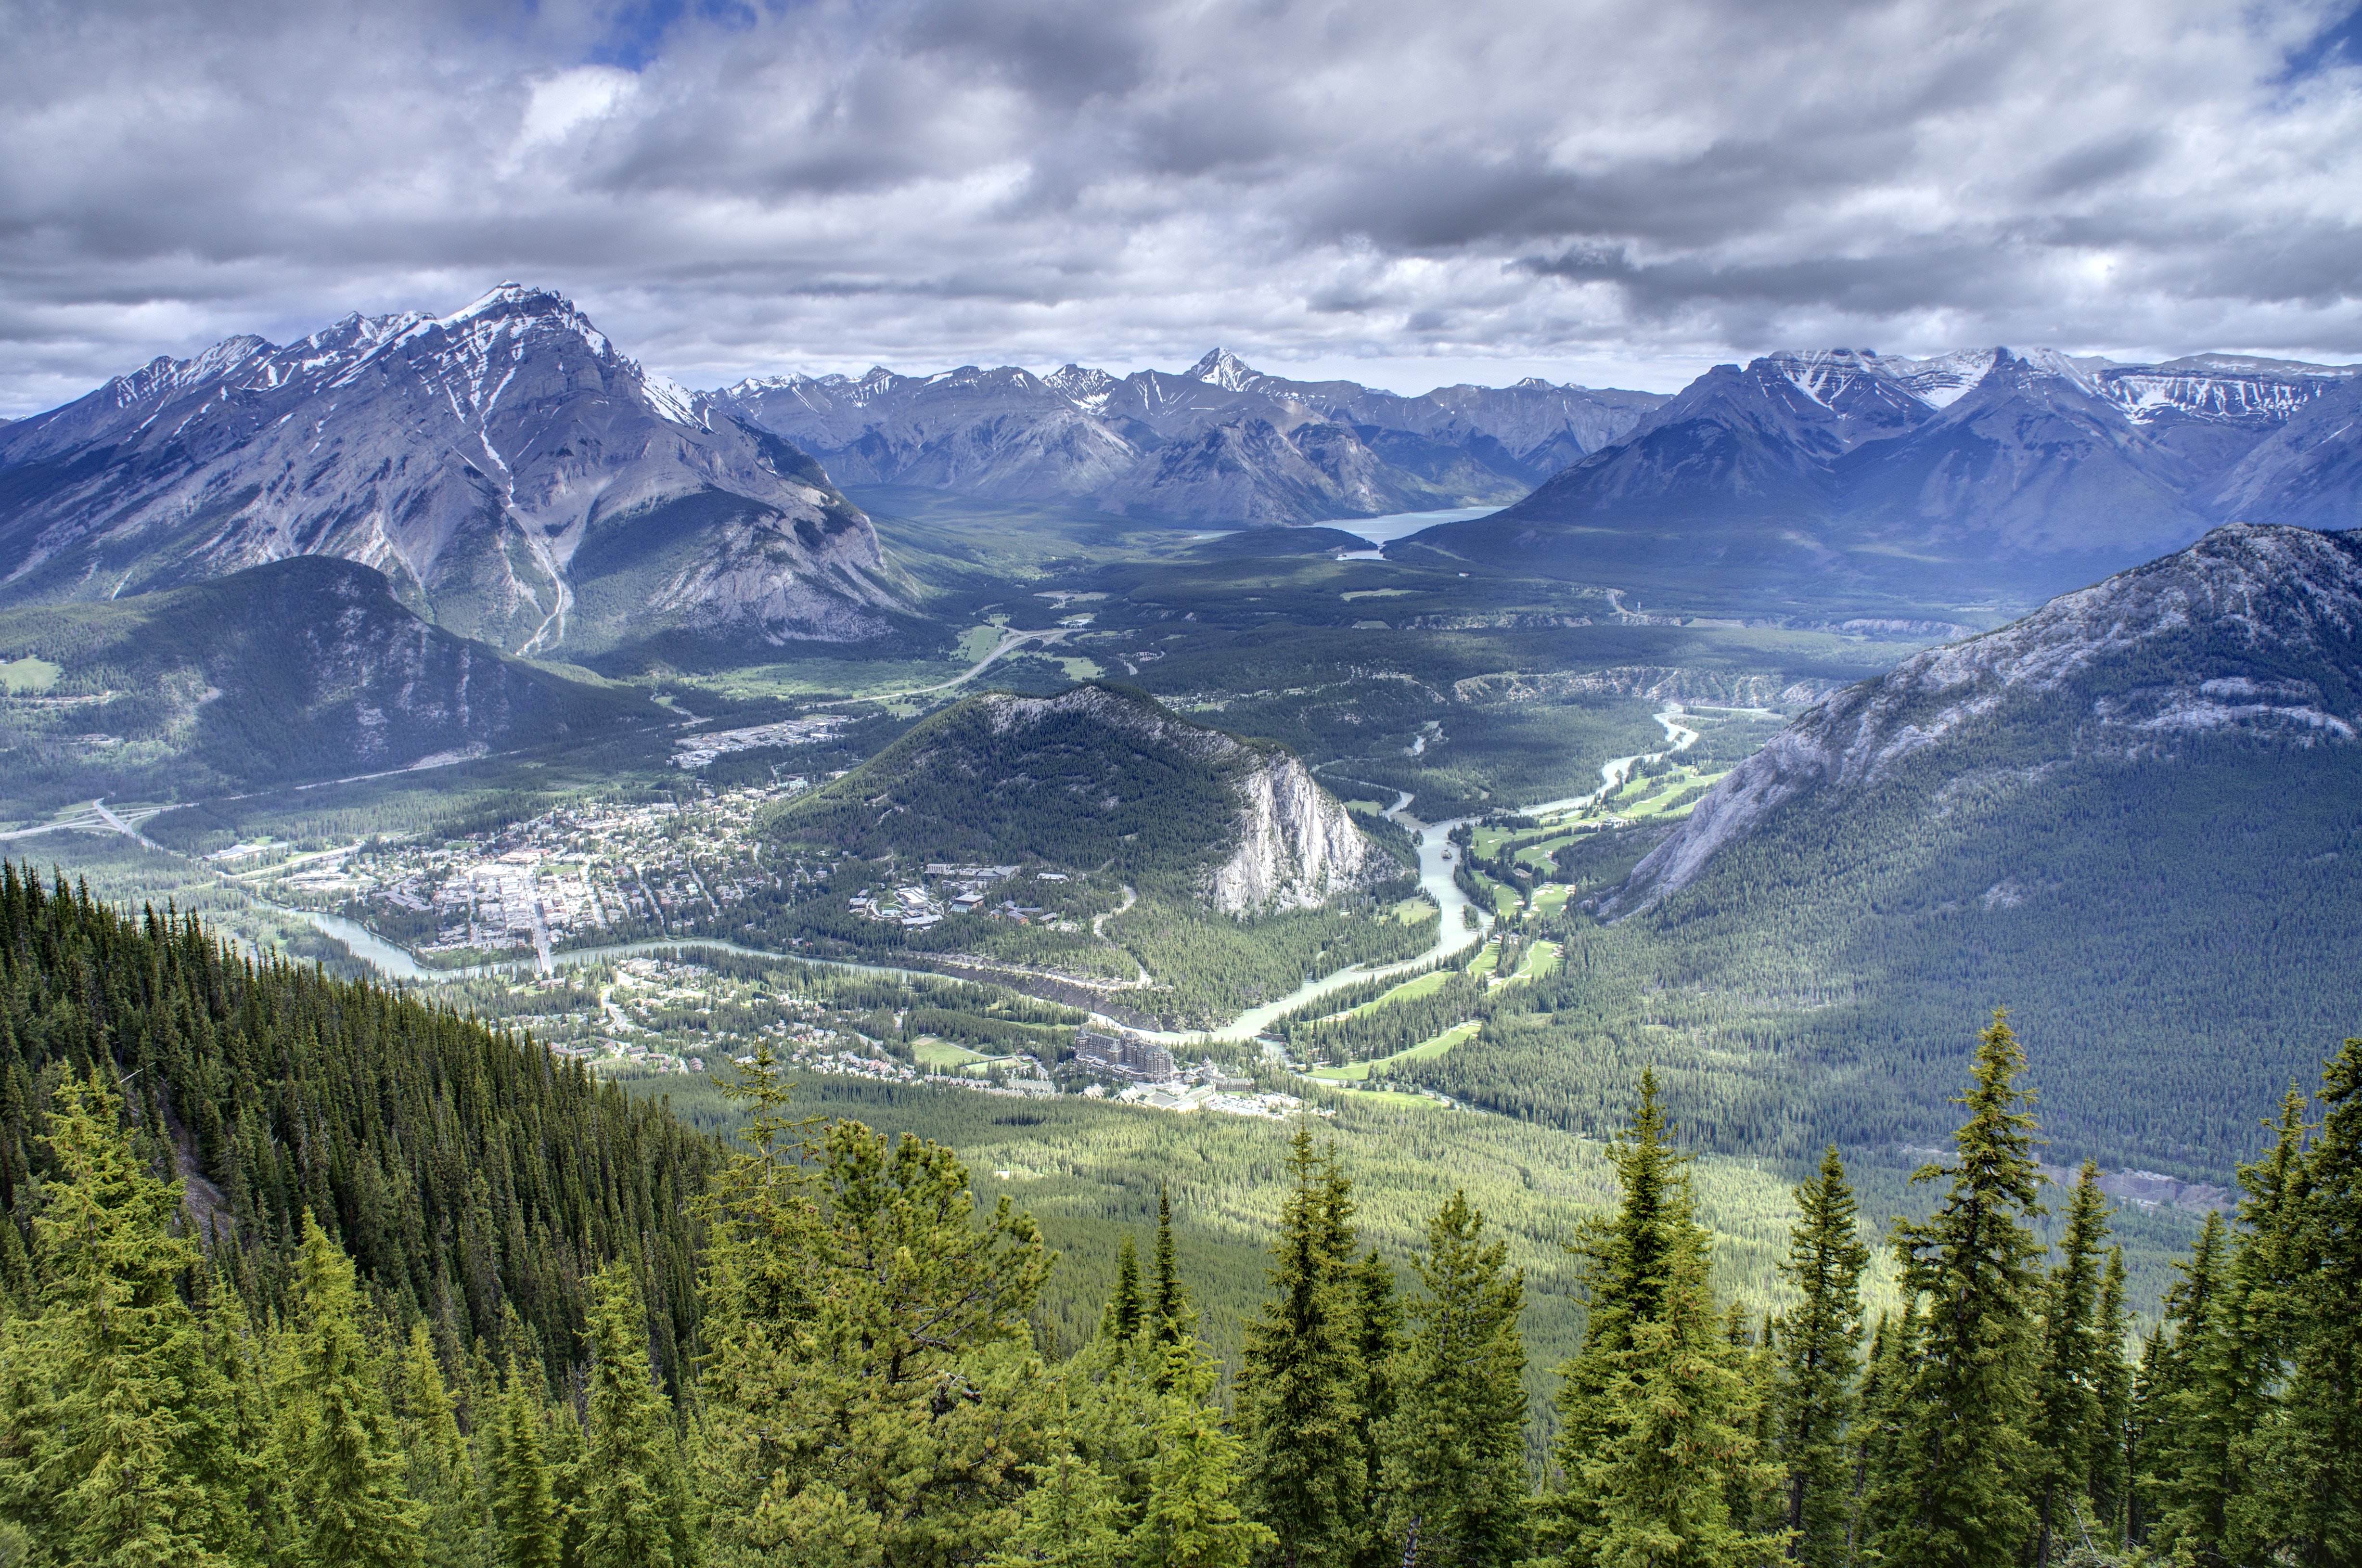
[1111, 842]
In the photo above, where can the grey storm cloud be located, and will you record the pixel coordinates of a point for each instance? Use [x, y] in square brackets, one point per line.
[731, 187]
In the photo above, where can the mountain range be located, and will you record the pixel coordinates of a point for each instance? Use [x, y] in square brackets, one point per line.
[516, 478]
[1968, 477]
[1220, 442]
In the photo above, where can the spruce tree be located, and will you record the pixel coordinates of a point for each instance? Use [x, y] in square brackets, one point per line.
[1071, 1518]
[2066, 1424]
[1378, 1340]
[531, 1524]
[2111, 1484]
[1956, 1496]
[1301, 1376]
[635, 1514]
[340, 1451]
[1168, 1302]
[2306, 1452]
[1454, 1483]
[438, 1472]
[1657, 1408]
[1819, 1343]
[116, 1451]
[1192, 1518]
[1120, 1320]
[2192, 1473]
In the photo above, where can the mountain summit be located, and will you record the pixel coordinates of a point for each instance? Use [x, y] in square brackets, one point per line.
[516, 477]
[1973, 474]
[1220, 442]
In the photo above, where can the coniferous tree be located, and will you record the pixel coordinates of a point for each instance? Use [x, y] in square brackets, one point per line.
[1378, 1320]
[635, 1514]
[1814, 1402]
[117, 1452]
[2306, 1453]
[1192, 1518]
[532, 1525]
[2111, 1483]
[2192, 1479]
[2066, 1424]
[1121, 1318]
[1453, 1484]
[1877, 1447]
[1657, 1408]
[1071, 1518]
[438, 1472]
[1955, 1496]
[340, 1451]
[1168, 1303]
[1301, 1375]
[2141, 1435]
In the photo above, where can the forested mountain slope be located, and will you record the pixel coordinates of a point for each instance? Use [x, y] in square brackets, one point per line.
[1095, 775]
[2134, 817]
[469, 1175]
[517, 477]
[277, 675]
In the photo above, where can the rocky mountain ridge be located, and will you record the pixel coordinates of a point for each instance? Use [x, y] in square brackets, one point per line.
[1220, 442]
[2256, 631]
[1959, 477]
[1099, 778]
[516, 476]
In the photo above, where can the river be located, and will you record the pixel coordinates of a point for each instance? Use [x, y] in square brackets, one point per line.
[1436, 860]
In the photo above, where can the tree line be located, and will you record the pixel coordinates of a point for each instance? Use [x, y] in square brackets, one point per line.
[863, 1384]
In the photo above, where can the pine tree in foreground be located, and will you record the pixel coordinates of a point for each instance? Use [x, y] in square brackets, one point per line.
[531, 1524]
[1168, 1303]
[1813, 1403]
[439, 1473]
[1454, 1482]
[116, 1454]
[1302, 1374]
[1955, 1494]
[1657, 1408]
[2306, 1456]
[635, 1515]
[2065, 1426]
[340, 1451]
[2111, 1483]
[1192, 1518]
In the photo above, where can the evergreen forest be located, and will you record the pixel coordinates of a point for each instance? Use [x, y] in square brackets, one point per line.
[301, 1272]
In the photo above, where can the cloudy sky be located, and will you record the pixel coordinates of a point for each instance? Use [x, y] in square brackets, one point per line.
[1408, 192]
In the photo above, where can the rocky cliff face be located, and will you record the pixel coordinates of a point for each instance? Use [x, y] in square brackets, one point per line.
[2254, 631]
[499, 464]
[1297, 845]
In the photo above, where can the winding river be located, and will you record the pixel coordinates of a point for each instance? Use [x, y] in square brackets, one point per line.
[1436, 860]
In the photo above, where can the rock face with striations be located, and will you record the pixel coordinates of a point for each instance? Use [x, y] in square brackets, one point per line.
[1297, 845]
[515, 476]
[2255, 631]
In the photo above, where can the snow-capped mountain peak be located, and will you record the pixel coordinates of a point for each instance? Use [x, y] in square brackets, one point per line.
[1225, 370]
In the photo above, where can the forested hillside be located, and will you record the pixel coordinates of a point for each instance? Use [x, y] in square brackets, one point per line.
[476, 1182]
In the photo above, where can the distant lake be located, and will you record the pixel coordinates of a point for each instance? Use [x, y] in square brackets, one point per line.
[1402, 524]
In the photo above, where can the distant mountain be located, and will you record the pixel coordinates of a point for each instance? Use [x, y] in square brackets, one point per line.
[279, 674]
[1100, 776]
[1962, 477]
[1220, 442]
[517, 479]
[2135, 817]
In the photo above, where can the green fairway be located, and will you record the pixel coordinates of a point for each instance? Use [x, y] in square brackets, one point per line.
[26, 676]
